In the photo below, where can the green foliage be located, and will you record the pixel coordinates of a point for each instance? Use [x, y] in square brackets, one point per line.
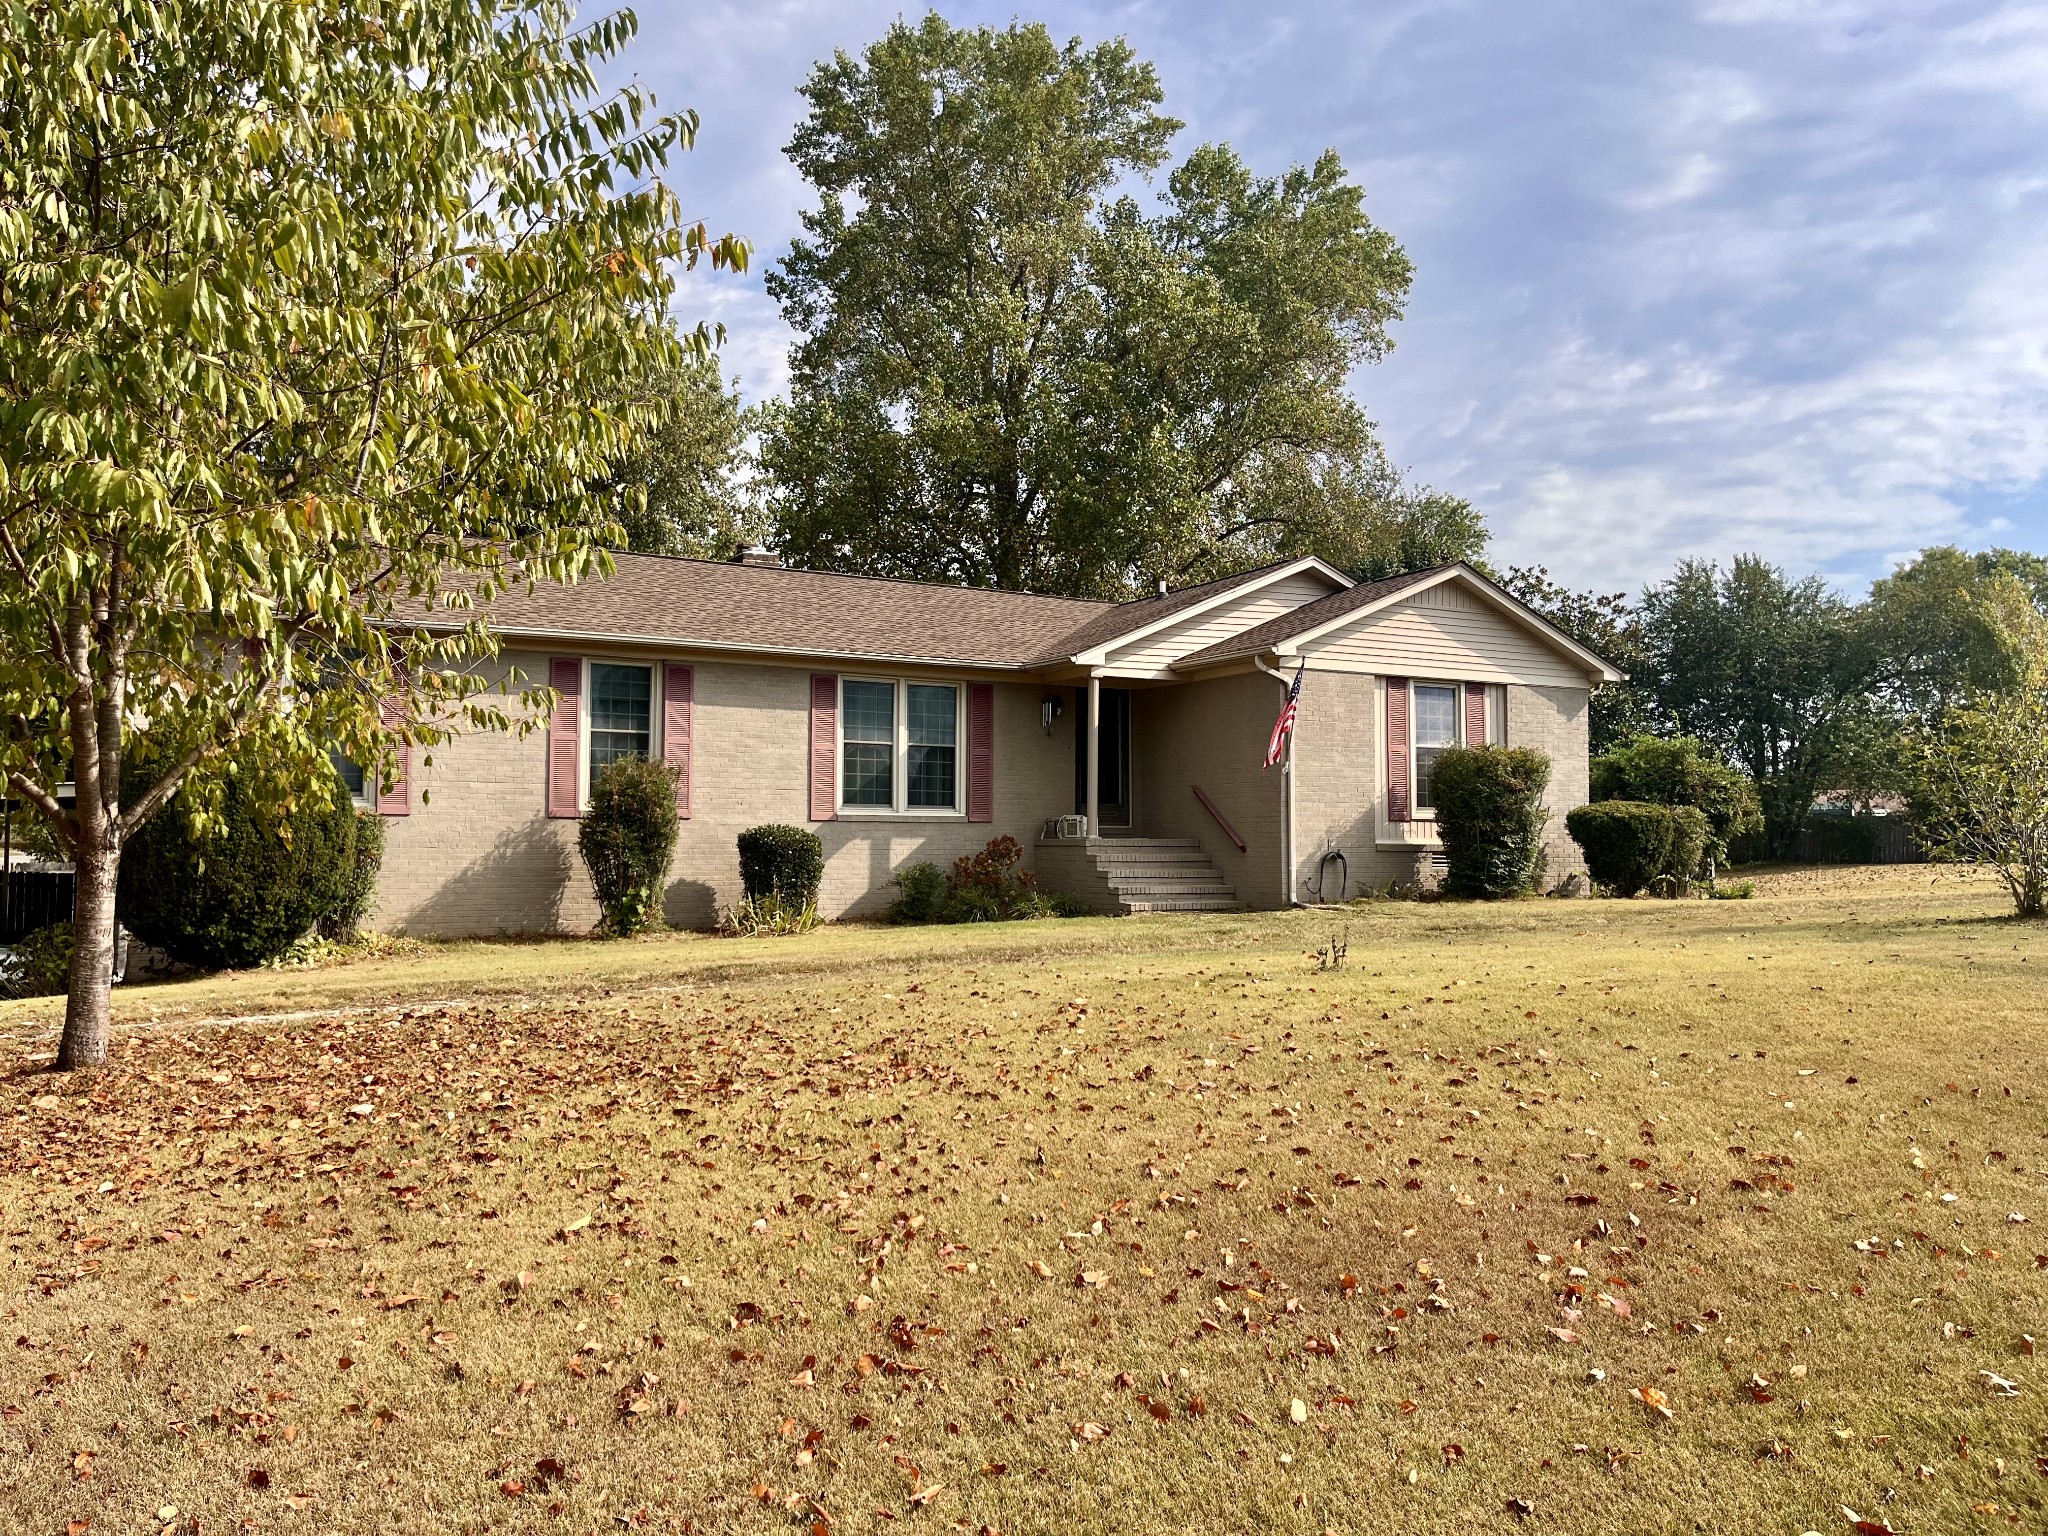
[1627, 843]
[784, 861]
[628, 839]
[1934, 624]
[343, 312]
[1984, 766]
[233, 881]
[920, 893]
[1679, 770]
[38, 964]
[679, 492]
[1731, 890]
[1610, 628]
[982, 887]
[1689, 834]
[987, 887]
[1490, 817]
[343, 922]
[1010, 374]
[1772, 674]
[769, 915]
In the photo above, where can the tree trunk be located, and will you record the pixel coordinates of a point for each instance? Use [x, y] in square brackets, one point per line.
[86, 1013]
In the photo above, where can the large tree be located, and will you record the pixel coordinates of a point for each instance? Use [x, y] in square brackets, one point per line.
[1774, 674]
[1938, 633]
[1608, 625]
[318, 316]
[1012, 374]
[681, 491]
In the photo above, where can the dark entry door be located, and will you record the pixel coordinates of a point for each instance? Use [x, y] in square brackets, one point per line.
[1114, 788]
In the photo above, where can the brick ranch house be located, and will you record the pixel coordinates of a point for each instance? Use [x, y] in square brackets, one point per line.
[902, 721]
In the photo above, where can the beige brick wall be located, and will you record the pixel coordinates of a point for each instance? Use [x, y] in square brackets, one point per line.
[1339, 768]
[1554, 720]
[482, 856]
[1213, 733]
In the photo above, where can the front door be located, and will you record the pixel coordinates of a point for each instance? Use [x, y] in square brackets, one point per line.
[1114, 768]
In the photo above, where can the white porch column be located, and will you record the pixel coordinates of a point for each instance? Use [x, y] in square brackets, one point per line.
[1094, 755]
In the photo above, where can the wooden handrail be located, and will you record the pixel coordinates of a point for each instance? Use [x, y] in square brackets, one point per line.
[1221, 820]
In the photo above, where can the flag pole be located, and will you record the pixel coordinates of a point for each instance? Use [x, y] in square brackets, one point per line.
[1287, 868]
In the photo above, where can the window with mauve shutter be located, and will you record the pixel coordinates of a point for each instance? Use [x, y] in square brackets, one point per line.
[678, 720]
[394, 794]
[1475, 715]
[1397, 749]
[824, 745]
[565, 728]
[981, 752]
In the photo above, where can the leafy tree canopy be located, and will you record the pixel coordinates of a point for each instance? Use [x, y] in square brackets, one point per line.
[1013, 375]
[1608, 626]
[320, 319]
[680, 491]
[1938, 632]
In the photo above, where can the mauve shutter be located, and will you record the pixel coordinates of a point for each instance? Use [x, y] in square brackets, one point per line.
[981, 752]
[565, 731]
[394, 795]
[1397, 749]
[824, 744]
[678, 709]
[1475, 714]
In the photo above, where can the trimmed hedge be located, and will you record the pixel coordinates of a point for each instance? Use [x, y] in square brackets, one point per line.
[1627, 843]
[1490, 819]
[343, 922]
[627, 840]
[782, 861]
[244, 890]
[1679, 770]
[1634, 845]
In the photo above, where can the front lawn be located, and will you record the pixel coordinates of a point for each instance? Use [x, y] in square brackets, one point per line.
[1557, 1216]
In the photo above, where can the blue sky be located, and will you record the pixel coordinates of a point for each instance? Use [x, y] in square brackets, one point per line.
[1693, 277]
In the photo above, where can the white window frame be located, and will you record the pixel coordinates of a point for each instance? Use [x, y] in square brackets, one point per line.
[656, 747]
[364, 799]
[899, 807]
[1417, 811]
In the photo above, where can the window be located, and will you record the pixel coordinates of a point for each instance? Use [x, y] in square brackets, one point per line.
[934, 735]
[1434, 722]
[899, 746]
[621, 714]
[351, 775]
[867, 774]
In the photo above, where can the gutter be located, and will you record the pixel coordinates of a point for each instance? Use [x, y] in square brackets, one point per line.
[1287, 790]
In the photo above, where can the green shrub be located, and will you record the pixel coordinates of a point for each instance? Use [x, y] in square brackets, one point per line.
[921, 893]
[1680, 771]
[230, 873]
[783, 861]
[1490, 819]
[1627, 843]
[40, 964]
[1688, 848]
[628, 839]
[343, 922]
[1733, 890]
[987, 887]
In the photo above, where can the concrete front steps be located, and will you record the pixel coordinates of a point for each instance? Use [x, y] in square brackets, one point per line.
[1134, 874]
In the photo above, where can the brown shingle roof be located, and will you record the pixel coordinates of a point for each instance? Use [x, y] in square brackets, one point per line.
[1122, 618]
[743, 607]
[1297, 620]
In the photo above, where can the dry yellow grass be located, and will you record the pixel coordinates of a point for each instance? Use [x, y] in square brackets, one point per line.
[1050, 1228]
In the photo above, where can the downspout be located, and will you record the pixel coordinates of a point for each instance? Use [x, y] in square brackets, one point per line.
[1287, 789]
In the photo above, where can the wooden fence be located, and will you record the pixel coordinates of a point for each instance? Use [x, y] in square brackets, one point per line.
[34, 898]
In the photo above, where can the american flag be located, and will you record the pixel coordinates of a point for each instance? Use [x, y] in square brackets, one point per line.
[1284, 726]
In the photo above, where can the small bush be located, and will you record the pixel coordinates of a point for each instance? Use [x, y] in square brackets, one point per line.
[232, 879]
[1733, 890]
[1490, 819]
[987, 887]
[770, 914]
[343, 923]
[40, 964]
[1627, 843]
[1688, 847]
[628, 839]
[782, 861]
[1679, 770]
[921, 893]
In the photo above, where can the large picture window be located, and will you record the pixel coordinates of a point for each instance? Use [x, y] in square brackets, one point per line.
[899, 746]
[621, 714]
[1435, 723]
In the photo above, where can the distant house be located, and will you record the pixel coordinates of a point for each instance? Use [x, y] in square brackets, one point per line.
[1120, 743]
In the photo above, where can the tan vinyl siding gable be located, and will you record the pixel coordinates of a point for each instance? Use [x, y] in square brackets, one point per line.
[1444, 632]
[1157, 652]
